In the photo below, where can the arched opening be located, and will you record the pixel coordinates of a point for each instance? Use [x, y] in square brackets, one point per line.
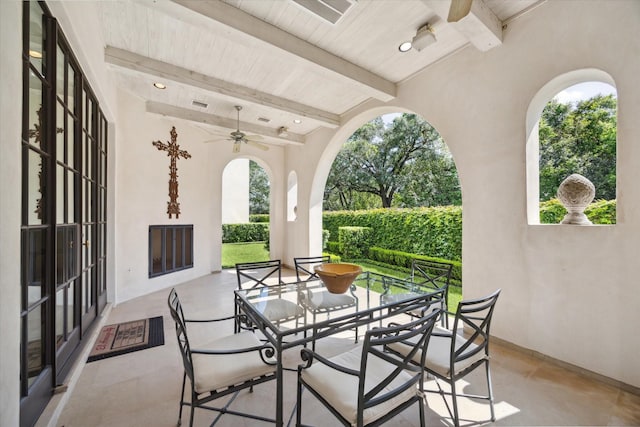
[571, 128]
[245, 212]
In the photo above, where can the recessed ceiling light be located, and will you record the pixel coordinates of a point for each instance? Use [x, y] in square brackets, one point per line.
[297, 121]
[405, 47]
[160, 85]
[35, 54]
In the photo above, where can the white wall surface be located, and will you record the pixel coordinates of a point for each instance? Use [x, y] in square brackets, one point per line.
[569, 292]
[10, 199]
[235, 192]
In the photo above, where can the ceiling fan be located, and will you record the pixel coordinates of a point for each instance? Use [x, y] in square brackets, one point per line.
[458, 10]
[239, 137]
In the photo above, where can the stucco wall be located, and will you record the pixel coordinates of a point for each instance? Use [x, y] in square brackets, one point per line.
[569, 292]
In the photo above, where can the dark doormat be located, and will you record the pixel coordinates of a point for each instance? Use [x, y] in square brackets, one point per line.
[127, 337]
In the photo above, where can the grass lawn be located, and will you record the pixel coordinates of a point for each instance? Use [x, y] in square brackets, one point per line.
[233, 253]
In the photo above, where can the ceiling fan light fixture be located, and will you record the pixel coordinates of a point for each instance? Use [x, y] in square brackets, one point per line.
[283, 131]
[424, 37]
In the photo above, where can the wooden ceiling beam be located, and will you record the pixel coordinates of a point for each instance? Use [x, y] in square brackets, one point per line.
[372, 84]
[223, 122]
[133, 61]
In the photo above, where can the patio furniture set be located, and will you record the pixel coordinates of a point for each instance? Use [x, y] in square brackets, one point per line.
[381, 376]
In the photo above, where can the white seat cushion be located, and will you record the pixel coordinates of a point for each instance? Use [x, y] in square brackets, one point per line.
[341, 390]
[439, 350]
[323, 300]
[277, 309]
[212, 372]
[396, 298]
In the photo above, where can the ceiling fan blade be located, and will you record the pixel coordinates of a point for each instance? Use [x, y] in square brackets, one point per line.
[254, 137]
[215, 140]
[458, 10]
[258, 145]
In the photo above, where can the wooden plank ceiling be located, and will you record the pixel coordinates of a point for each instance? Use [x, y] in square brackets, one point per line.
[279, 60]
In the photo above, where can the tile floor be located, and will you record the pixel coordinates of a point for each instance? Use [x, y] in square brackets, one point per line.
[142, 388]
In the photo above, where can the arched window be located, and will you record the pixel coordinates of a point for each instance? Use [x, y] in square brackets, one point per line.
[572, 130]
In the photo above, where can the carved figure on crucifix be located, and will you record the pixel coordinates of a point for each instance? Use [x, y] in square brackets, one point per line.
[174, 152]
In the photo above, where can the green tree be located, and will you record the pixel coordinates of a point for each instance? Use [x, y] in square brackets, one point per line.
[403, 164]
[579, 138]
[258, 189]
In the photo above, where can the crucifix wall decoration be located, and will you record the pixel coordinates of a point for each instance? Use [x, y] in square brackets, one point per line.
[174, 152]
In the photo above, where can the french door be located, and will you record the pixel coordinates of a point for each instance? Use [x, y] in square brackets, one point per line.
[63, 249]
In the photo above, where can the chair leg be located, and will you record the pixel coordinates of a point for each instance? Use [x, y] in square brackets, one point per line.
[184, 382]
[299, 403]
[456, 417]
[422, 402]
[493, 414]
[193, 397]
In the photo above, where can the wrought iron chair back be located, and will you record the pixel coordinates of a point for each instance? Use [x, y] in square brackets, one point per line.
[383, 377]
[210, 384]
[255, 274]
[433, 275]
[467, 351]
[304, 266]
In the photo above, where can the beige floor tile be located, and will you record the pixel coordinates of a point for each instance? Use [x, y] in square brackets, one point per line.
[142, 388]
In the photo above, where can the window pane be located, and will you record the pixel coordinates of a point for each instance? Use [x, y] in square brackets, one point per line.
[60, 202]
[60, 145]
[36, 50]
[188, 246]
[179, 249]
[35, 110]
[71, 217]
[35, 269]
[60, 86]
[168, 253]
[156, 250]
[36, 185]
[72, 252]
[71, 155]
[61, 243]
[70, 309]
[71, 83]
[60, 303]
[35, 345]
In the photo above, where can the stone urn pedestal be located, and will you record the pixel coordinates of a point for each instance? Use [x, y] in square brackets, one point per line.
[575, 193]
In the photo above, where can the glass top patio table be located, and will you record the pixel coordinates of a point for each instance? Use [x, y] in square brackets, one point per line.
[370, 309]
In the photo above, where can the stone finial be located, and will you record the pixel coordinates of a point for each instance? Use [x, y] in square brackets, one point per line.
[575, 193]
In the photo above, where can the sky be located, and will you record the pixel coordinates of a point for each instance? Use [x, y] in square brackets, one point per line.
[585, 91]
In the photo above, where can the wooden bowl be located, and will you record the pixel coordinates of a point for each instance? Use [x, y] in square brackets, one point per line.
[337, 277]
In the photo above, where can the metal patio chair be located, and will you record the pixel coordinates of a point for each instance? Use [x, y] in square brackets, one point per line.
[321, 301]
[451, 356]
[427, 276]
[225, 365]
[368, 385]
[265, 276]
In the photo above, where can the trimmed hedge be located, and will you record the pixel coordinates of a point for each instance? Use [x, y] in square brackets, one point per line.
[355, 241]
[259, 218]
[404, 259]
[245, 232]
[432, 231]
[599, 212]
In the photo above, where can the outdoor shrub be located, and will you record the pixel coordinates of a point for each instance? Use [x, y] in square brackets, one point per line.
[404, 260]
[598, 212]
[245, 232]
[355, 241]
[259, 218]
[431, 231]
[334, 247]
